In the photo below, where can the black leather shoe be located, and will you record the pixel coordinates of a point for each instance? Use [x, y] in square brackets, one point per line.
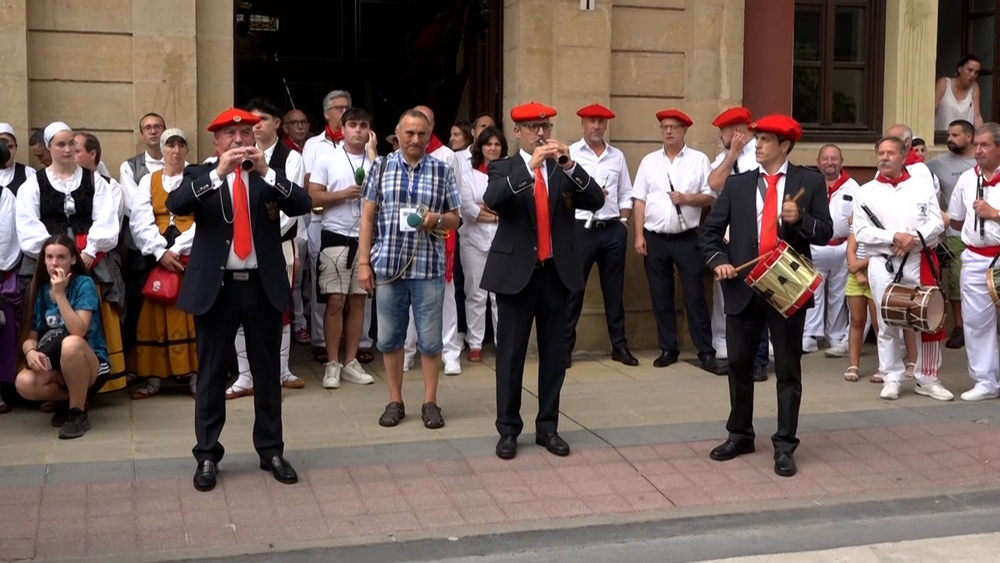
[665, 359]
[204, 476]
[730, 450]
[624, 356]
[553, 443]
[760, 373]
[956, 339]
[784, 465]
[708, 361]
[507, 447]
[281, 469]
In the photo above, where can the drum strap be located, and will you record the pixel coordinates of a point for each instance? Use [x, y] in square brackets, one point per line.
[930, 263]
[899, 273]
[994, 262]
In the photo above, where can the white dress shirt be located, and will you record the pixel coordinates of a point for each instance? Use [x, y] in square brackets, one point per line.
[841, 208]
[746, 161]
[448, 156]
[337, 174]
[103, 234]
[783, 171]
[689, 173]
[143, 222]
[910, 207]
[465, 157]
[10, 250]
[960, 209]
[7, 174]
[478, 235]
[611, 172]
[317, 149]
[527, 164]
[234, 262]
[920, 170]
[128, 182]
[294, 171]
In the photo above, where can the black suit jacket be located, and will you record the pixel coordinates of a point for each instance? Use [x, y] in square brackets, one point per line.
[213, 214]
[512, 257]
[736, 208]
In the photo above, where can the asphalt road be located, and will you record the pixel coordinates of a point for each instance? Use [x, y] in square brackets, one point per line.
[698, 538]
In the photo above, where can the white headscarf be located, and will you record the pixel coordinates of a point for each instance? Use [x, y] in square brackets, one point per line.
[51, 131]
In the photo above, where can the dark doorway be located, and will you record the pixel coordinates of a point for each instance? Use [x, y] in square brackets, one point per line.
[389, 54]
[971, 26]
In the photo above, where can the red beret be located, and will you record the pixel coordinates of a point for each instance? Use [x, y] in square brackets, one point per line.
[233, 116]
[781, 125]
[596, 110]
[674, 114]
[733, 116]
[531, 111]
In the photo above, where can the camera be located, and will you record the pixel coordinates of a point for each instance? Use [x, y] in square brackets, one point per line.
[4, 153]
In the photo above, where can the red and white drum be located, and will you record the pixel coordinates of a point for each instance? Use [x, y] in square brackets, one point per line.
[785, 279]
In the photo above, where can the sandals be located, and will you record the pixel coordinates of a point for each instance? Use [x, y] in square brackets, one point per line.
[852, 374]
[876, 377]
[152, 387]
[910, 368]
[393, 414]
[430, 413]
[235, 392]
[365, 356]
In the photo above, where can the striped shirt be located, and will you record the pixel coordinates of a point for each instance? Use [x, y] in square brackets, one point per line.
[430, 186]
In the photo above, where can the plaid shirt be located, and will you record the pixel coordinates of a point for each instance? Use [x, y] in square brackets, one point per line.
[431, 183]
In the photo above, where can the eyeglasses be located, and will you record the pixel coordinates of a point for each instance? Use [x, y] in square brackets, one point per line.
[152, 127]
[545, 127]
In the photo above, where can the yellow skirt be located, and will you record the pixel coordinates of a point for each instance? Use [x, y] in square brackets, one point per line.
[111, 323]
[165, 342]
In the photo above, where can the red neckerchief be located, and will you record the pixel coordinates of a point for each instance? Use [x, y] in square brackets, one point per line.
[912, 158]
[434, 144]
[335, 136]
[291, 144]
[836, 185]
[991, 183]
[893, 181]
[482, 168]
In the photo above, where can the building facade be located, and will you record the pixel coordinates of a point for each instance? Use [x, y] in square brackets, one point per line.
[846, 68]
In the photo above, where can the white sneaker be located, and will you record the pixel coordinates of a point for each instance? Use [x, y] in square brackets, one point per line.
[978, 394]
[452, 367]
[354, 373]
[933, 389]
[331, 376]
[722, 353]
[838, 351]
[890, 390]
[407, 364]
[809, 345]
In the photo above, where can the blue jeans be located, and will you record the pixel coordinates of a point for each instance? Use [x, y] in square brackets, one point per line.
[393, 301]
[761, 358]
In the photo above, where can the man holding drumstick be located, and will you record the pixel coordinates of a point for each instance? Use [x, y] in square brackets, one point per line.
[748, 205]
[895, 216]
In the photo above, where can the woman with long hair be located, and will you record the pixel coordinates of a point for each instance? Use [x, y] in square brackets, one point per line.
[957, 97]
[477, 231]
[461, 136]
[63, 343]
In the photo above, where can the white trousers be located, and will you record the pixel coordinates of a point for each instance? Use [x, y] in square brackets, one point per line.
[473, 264]
[891, 352]
[980, 323]
[831, 305]
[318, 305]
[452, 345]
[718, 318]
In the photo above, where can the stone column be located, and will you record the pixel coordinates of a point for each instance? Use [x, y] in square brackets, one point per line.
[910, 48]
[216, 78]
[14, 72]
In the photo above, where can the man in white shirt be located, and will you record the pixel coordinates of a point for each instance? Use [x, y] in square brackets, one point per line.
[12, 173]
[907, 208]
[603, 234]
[335, 185]
[973, 210]
[452, 351]
[829, 318]
[671, 189]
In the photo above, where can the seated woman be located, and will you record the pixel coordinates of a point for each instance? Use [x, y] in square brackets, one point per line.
[165, 341]
[64, 345]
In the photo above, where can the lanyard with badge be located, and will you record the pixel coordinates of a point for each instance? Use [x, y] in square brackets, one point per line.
[409, 209]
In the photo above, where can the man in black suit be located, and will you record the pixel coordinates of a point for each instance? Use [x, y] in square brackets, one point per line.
[236, 276]
[533, 266]
[748, 205]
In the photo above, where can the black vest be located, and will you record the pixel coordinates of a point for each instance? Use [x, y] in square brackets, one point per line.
[278, 159]
[51, 205]
[19, 177]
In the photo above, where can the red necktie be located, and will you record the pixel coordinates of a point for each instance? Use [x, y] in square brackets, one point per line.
[242, 238]
[542, 213]
[768, 224]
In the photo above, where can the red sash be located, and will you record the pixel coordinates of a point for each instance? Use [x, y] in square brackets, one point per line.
[985, 251]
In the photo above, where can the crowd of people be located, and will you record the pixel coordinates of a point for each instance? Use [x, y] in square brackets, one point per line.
[189, 272]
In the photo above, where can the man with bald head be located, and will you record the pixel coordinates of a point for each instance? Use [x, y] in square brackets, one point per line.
[452, 351]
[296, 127]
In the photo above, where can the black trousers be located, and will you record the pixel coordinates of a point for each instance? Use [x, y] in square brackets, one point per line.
[238, 303]
[607, 248]
[663, 252]
[743, 333]
[544, 301]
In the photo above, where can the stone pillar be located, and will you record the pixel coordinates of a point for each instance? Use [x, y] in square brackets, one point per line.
[769, 29]
[215, 79]
[164, 65]
[910, 43]
[14, 72]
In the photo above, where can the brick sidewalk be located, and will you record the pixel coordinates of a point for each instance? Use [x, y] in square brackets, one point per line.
[250, 512]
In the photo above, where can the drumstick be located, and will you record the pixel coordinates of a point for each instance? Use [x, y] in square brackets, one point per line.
[748, 264]
[795, 199]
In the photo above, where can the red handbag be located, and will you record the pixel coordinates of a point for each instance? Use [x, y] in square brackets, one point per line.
[162, 284]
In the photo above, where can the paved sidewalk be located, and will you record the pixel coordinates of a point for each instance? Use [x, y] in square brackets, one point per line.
[641, 438]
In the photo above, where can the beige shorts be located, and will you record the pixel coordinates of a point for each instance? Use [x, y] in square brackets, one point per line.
[334, 276]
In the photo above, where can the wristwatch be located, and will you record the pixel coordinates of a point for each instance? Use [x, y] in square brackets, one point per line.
[440, 220]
